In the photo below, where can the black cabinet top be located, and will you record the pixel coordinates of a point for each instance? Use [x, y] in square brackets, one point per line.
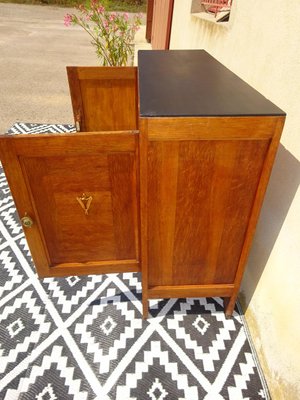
[193, 83]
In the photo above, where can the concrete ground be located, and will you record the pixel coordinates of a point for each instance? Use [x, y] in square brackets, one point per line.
[35, 48]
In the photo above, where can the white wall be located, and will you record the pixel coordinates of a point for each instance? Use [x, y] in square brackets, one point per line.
[261, 44]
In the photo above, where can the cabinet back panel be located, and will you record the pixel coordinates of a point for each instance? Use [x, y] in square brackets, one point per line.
[109, 104]
[200, 197]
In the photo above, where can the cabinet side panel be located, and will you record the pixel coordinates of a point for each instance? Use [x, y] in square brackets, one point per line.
[200, 197]
[204, 181]
[162, 190]
[247, 169]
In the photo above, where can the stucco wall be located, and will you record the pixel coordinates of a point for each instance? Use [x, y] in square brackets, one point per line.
[261, 44]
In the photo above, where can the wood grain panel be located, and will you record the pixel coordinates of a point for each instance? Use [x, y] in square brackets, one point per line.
[143, 226]
[70, 234]
[116, 73]
[196, 168]
[210, 128]
[162, 181]
[109, 104]
[107, 232]
[104, 98]
[158, 292]
[201, 205]
[18, 187]
[123, 195]
[98, 267]
[76, 144]
[53, 176]
[200, 196]
[247, 169]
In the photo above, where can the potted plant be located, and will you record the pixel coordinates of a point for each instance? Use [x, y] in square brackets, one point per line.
[111, 33]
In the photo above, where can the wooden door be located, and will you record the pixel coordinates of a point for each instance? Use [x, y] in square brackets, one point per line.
[80, 192]
[161, 24]
[104, 98]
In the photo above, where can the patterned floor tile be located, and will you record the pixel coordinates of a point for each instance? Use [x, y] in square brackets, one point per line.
[156, 372]
[107, 329]
[5, 195]
[11, 221]
[12, 274]
[201, 329]
[53, 375]
[67, 294]
[244, 381]
[22, 244]
[24, 323]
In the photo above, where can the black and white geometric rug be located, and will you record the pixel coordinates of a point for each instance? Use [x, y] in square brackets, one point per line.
[83, 338]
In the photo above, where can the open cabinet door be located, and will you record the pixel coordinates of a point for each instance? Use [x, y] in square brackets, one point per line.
[104, 98]
[76, 195]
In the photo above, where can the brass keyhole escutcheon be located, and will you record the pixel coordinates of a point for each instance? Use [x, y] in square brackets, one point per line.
[27, 222]
[85, 202]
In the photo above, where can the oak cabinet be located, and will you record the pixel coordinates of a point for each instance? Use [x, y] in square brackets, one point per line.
[166, 176]
[207, 144]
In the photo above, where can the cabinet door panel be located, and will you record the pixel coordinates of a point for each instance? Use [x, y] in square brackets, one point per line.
[84, 203]
[200, 196]
[104, 98]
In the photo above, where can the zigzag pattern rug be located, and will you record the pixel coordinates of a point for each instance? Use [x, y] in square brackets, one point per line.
[83, 338]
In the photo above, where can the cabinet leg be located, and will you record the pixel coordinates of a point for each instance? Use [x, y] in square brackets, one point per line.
[145, 307]
[229, 303]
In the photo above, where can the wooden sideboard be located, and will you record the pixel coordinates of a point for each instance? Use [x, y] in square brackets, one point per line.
[166, 176]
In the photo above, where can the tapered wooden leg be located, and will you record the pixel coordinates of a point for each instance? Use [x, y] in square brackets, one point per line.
[229, 303]
[225, 302]
[145, 306]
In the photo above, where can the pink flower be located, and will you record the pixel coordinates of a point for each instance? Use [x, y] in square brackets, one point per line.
[67, 19]
[112, 16]
[105, 23]
[101, 9]
[126, 16]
